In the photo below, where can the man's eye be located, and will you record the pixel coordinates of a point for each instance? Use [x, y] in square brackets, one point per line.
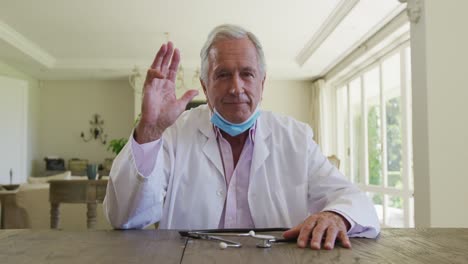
[223, 75]
[248, 74]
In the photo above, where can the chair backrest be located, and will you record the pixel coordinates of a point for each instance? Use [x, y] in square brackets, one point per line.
[334, 160]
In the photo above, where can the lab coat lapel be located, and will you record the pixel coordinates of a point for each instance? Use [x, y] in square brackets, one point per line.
[259, 188]
[261, 146]
[210, 148]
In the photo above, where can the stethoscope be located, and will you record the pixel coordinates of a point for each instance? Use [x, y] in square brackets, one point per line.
[265, 241]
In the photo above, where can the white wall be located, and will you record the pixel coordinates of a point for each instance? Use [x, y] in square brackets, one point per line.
[68, 106]
[440, 123]
[32, 114]
[288, 97]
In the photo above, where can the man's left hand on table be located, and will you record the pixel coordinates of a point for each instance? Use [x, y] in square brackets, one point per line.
[327, 225]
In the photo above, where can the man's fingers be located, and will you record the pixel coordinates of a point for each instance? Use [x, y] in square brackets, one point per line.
[293, 232]
[317, 235]
[174, 65]
[305, 233]
[166, 54]
[329, 243]
[186, 98]
[159, 57]
[152, 74]
[324, 227]
[344, 239]
[167, 57]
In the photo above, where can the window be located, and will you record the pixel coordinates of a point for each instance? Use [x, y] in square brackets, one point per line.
[374, 135]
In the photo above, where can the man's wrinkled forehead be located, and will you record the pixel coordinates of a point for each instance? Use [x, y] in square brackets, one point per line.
[230, 49]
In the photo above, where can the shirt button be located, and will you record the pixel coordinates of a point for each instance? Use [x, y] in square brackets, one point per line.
[219, 193]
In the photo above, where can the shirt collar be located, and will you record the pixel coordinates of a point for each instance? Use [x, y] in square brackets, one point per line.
[251, 132]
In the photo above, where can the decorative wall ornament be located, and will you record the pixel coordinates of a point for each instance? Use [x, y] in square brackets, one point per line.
[133, 78]
[96, 131]
[182, 77]
[413, 9]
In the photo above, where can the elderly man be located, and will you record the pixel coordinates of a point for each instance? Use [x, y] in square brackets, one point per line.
[228, 164]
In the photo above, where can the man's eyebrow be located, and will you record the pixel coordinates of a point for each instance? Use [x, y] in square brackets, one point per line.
[248, 68]
[220, 70]
[224, 69]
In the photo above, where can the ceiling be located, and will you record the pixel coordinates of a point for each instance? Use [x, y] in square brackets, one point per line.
[106, 39]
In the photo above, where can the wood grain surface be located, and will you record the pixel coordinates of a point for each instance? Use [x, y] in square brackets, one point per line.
[392, 246]
[104, 247]
[162, 246]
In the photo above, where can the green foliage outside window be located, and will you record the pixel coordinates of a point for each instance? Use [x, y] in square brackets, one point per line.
[374, 145]
[394, 144]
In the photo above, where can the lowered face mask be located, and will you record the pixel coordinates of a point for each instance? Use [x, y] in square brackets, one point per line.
[232, 128]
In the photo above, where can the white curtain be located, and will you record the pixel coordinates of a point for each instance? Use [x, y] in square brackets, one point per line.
[321, 115]
[315, 109]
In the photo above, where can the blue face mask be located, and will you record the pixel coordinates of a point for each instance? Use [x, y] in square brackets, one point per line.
[232, 128]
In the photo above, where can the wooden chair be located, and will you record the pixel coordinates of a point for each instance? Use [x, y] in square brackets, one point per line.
[334, 160]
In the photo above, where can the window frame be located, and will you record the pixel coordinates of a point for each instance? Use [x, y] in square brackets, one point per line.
[407, 191]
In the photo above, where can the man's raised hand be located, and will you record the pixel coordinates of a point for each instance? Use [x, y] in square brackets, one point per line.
[160, 108]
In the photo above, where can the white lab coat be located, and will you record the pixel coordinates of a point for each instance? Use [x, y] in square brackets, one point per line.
[290, 179]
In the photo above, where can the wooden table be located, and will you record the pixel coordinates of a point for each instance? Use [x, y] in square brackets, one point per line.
[90, 192]
[423, 246]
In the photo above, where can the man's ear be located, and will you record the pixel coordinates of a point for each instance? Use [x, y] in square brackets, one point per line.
[263, 82]
[263, 86]
[204, 87]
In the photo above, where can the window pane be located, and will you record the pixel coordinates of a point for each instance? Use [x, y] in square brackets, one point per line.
[392, 93]
[356, 136]
[374, 139]
[395, 212]
[391, 74]
[394, 140]
[377, 199]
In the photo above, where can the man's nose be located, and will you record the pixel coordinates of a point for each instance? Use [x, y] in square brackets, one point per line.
[237, 85]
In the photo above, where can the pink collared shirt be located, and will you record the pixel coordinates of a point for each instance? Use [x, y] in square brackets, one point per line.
[236, 212]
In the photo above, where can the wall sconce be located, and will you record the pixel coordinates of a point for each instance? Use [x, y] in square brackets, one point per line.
[95, 131]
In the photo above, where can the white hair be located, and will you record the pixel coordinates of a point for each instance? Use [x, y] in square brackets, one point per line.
[228, 31]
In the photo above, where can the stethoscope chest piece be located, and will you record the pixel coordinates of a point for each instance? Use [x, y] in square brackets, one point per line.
[264, 244]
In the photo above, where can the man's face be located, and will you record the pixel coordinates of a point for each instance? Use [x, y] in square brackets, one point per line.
[235, 83]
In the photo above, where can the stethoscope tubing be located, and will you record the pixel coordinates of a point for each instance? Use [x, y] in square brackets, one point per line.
[219, 234]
